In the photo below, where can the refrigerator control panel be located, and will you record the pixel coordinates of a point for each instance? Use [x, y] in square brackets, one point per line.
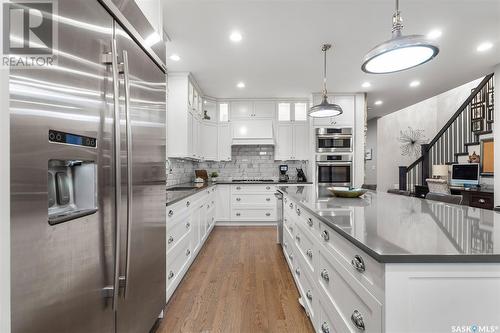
[72, 139]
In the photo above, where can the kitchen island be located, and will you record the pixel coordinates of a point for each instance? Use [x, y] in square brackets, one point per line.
[389, 263]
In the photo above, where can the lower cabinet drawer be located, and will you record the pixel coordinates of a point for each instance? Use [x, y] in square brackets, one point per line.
[253, 199]
[359, 309]
[259, 214]
[289, 223]
[480, 201]
[308, 291]
[177, 228]
[288, 249]
[329, 320]
[304, 241]
[177, 262]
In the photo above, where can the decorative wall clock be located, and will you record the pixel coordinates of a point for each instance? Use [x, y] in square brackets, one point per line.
[412, 141]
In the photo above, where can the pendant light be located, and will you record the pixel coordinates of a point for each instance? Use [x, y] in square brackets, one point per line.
[400, 52]
[325, 109]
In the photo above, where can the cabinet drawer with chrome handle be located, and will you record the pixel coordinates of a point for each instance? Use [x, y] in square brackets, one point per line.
[170, 275]
[170, 239]
[188, 203]
[309, 253]
[238, 187]
[297, 238]
[481, 201]
[358, 263]
[297, 211]
[324, 275]
[291, 205]
[268, 199]
[188, 252]
[297, 271]
[238, 214]
[325, 235]
[309, 295]
[268, 187]
[188, 225]
[238, 199]
[290, 257]
[310, 222]
[170, 213]
[325, 328]
[268, 214]
[357, 320]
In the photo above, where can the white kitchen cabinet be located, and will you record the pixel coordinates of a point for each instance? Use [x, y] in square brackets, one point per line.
[223, 203]
[288, 111]
[208, 140]
[223, 112]
[224, 141]
[241, 109]
[252, 129]
[346, 102]
[292, 141]
[264, 109]
[210, 106]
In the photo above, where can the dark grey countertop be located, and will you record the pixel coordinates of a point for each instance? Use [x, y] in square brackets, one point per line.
[398, 229]
[176, 196]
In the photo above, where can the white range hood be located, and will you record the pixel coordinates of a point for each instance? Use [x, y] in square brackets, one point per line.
[252, 132]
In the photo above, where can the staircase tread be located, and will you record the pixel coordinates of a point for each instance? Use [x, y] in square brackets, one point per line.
[464, 153]
[450, 163]
[483, 132]
[475, 143]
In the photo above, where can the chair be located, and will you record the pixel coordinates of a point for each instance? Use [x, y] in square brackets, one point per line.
[443, 197]
[438, 185]
[399, 192]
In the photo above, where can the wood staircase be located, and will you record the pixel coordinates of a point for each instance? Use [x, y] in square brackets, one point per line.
[473, 119]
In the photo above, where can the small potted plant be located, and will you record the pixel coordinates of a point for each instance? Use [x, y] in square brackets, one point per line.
[213, 176]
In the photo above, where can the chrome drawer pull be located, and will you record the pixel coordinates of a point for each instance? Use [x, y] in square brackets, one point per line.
[188, 203]
[268, 199]
[290, 257]
[170, 213]
[325, 328]
[268, 187]
[170, 275]
[285, 245]
[238, 214]
[188, 225]
[358, 263]
[481, 201]
[238, 199]
[297, 271]
[170, 239]
[208, 206]
[357, 320]
[309, 295]
[291, 205]
[309, 253]
[297, 238]
[297, 211]
[324, 275]
[310, 222]
[188, 252]
[325, 235]
[268, 214]
[238, 188]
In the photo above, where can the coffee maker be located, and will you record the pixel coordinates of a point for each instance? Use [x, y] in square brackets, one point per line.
[283, 176]
[301, 176]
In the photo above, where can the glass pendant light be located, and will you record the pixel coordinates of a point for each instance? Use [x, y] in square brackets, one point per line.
[325, 109]
[400, 52]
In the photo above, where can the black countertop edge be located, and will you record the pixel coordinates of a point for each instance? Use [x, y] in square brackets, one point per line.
[181, 195]
[403, 258]
[263, 183]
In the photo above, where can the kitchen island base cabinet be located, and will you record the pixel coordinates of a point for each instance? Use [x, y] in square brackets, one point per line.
[189, 223]
[344, 289]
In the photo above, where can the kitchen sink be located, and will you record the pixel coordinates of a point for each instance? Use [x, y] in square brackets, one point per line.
[182, 188]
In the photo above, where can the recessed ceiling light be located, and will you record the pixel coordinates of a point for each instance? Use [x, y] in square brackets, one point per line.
[366, 84]
[485, 46]
[241, 85]
[175, 57]
[414, 84]
[434, 34]
[379, 102]
[235, 36]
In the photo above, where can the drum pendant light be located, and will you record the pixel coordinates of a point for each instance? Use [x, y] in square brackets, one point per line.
[325, 109]
[400, 52]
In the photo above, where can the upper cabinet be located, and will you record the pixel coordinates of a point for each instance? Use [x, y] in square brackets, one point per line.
[292, 111]
[209, 110]
[346, 102]
[252, 109]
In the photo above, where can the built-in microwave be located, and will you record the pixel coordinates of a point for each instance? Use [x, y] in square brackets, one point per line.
[334, 140]
[334, 170]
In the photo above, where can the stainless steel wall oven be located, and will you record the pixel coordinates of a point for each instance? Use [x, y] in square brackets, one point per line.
[334, 140]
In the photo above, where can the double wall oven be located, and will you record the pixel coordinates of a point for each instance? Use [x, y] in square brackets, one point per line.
[333, 158]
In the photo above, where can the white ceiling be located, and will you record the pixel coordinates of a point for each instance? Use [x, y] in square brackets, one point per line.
[280, 54]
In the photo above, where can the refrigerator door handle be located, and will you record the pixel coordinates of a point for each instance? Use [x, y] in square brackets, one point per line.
[126, 81]
[117, 162]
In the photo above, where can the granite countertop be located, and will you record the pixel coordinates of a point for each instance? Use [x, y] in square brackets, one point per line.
[395, 228]
[176, 196]
[225, 182]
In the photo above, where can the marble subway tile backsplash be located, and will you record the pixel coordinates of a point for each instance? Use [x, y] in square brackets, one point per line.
[246, 162]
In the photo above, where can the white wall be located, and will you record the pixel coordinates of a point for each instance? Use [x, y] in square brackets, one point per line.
[371, 143]
[429, 115]
[4, 202]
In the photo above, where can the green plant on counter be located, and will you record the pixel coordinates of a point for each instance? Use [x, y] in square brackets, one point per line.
[214, 174]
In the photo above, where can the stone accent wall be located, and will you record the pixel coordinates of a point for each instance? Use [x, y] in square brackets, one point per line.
[246, 162]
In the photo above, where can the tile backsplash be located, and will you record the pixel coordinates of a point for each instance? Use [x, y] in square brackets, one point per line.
[246, 162]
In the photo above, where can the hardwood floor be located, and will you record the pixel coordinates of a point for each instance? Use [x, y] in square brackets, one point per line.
[239, 282]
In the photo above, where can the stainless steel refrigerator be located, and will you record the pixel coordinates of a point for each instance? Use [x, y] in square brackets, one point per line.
[88, 181]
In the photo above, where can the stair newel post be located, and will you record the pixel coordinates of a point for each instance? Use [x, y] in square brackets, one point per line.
[403, 170]
[426, 163]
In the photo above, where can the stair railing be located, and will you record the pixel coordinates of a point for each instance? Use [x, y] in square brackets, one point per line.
[450, 141]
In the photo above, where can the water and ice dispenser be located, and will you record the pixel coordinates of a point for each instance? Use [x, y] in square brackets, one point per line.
[72, 183]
